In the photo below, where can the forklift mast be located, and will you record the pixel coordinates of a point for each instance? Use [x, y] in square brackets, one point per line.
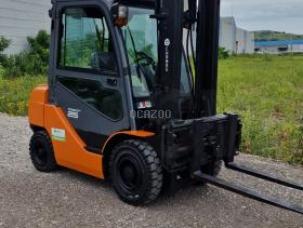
[207, 58]
[204, 15]
[170, 16]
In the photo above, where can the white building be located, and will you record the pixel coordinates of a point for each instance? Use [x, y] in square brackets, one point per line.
[228, 31]
[234, 39]
[22, 18]
[244, 42]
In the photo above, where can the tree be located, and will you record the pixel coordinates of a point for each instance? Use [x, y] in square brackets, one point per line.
[39, 46]
[33, 60]
[4, 43]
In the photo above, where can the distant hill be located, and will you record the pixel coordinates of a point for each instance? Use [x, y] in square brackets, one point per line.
[273, 35]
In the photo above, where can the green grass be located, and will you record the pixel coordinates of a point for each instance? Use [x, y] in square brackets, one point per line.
[14, 94]
[267, 91]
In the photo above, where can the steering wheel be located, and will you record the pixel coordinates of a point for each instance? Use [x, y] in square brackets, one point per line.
[145, 59]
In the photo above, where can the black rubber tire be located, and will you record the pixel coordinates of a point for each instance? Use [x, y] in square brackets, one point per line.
[42, 153]
[146, 172]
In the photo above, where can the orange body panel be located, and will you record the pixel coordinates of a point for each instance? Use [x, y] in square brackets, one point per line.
[69, 148]
[71, 152]
[139, 134]
[37, 101]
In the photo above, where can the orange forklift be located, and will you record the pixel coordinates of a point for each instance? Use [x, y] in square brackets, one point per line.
[131, 97]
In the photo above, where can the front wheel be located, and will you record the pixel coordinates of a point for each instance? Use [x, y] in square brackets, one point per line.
[136, 172]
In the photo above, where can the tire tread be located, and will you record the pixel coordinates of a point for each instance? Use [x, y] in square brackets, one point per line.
[153, 166]
[51, 163]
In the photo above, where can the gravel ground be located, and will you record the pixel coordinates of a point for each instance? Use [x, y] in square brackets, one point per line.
[68, 199]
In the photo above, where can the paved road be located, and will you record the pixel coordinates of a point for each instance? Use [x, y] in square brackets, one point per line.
[68, 199]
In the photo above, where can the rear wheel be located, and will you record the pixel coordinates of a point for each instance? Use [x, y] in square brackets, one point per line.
[136, 172]
[42, 153]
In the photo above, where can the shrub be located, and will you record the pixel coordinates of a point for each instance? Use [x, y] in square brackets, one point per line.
[223, 53]
[14, 93]
[32, 61]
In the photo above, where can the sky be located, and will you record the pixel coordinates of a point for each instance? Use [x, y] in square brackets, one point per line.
[278, 15]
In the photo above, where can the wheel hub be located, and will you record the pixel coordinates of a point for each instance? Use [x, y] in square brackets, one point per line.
[129, 173]
[40, 154]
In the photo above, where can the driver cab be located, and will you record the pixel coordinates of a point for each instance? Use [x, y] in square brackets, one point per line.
[103, 66]
[141, 39]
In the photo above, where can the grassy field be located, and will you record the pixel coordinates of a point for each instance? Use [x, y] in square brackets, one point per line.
[268, 94]
[266, 91]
